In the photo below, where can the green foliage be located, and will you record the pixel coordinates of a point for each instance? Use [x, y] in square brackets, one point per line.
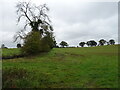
[32, 43]
[48, 40]
[89, 67]
[63, 44]
[35, 44]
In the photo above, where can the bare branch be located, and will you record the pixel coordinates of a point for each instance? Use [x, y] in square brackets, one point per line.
[26, 25]
[20, 17]
[19, 35]
[27, 16]
[35, 16]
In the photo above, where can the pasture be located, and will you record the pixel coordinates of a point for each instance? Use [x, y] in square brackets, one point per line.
[87, 67]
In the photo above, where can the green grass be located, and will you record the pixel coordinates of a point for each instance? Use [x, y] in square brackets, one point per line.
[10, 52]
[88, 67]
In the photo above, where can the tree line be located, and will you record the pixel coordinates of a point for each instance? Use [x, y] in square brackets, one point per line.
[63, 44]
[91, 43]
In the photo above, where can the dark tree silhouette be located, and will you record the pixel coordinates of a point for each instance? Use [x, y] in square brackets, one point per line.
[63, 44]
[91, 43]
[82, 44]
[2, 46]
[88, 43]
[108, 43]
[111, 42]
[102, 42]
[55, 44]
[18, 45]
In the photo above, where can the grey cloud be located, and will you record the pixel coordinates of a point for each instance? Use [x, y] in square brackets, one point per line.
[73, 21]
[84, 12]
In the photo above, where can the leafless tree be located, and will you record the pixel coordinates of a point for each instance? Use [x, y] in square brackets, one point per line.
[35, 17]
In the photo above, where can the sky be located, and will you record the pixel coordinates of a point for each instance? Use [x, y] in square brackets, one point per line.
[74, 21]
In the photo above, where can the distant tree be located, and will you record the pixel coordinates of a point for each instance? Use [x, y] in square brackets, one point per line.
[2, 46]
[63, 44]
[91, 43]
[82, 44]
[18, 45]
[102, 42]
[55, 44]
[112, 42]
[108, 43]
[88, 43]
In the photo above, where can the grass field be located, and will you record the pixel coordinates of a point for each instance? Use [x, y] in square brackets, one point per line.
[88, 67]
[10, 52]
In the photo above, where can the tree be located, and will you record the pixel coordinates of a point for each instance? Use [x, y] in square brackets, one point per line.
[2, 46]
[88, 43]
[108, 43]
[91, 43]
[18, 45]
[55, 44]
[82, 44]
[112, 42]
[63, 44]
[32, 43]
[102, 42]
[37, 18]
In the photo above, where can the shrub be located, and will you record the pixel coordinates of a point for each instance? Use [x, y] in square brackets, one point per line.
[32, 43]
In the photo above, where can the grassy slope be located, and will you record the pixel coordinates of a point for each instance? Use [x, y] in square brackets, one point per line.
[93, 67]
[10, 52]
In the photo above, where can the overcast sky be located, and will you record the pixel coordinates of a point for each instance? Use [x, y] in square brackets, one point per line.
[73, 21]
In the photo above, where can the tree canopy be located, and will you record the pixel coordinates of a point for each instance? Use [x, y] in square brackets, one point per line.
[82, 44]
[102, 42]
[63, 44]
[111, 42]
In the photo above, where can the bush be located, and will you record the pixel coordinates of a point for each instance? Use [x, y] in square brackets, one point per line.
[34, 43]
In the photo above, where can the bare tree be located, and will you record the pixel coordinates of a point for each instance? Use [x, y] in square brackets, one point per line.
[35, 17]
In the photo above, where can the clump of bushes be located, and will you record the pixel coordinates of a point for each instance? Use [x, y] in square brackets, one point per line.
[34, 43]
